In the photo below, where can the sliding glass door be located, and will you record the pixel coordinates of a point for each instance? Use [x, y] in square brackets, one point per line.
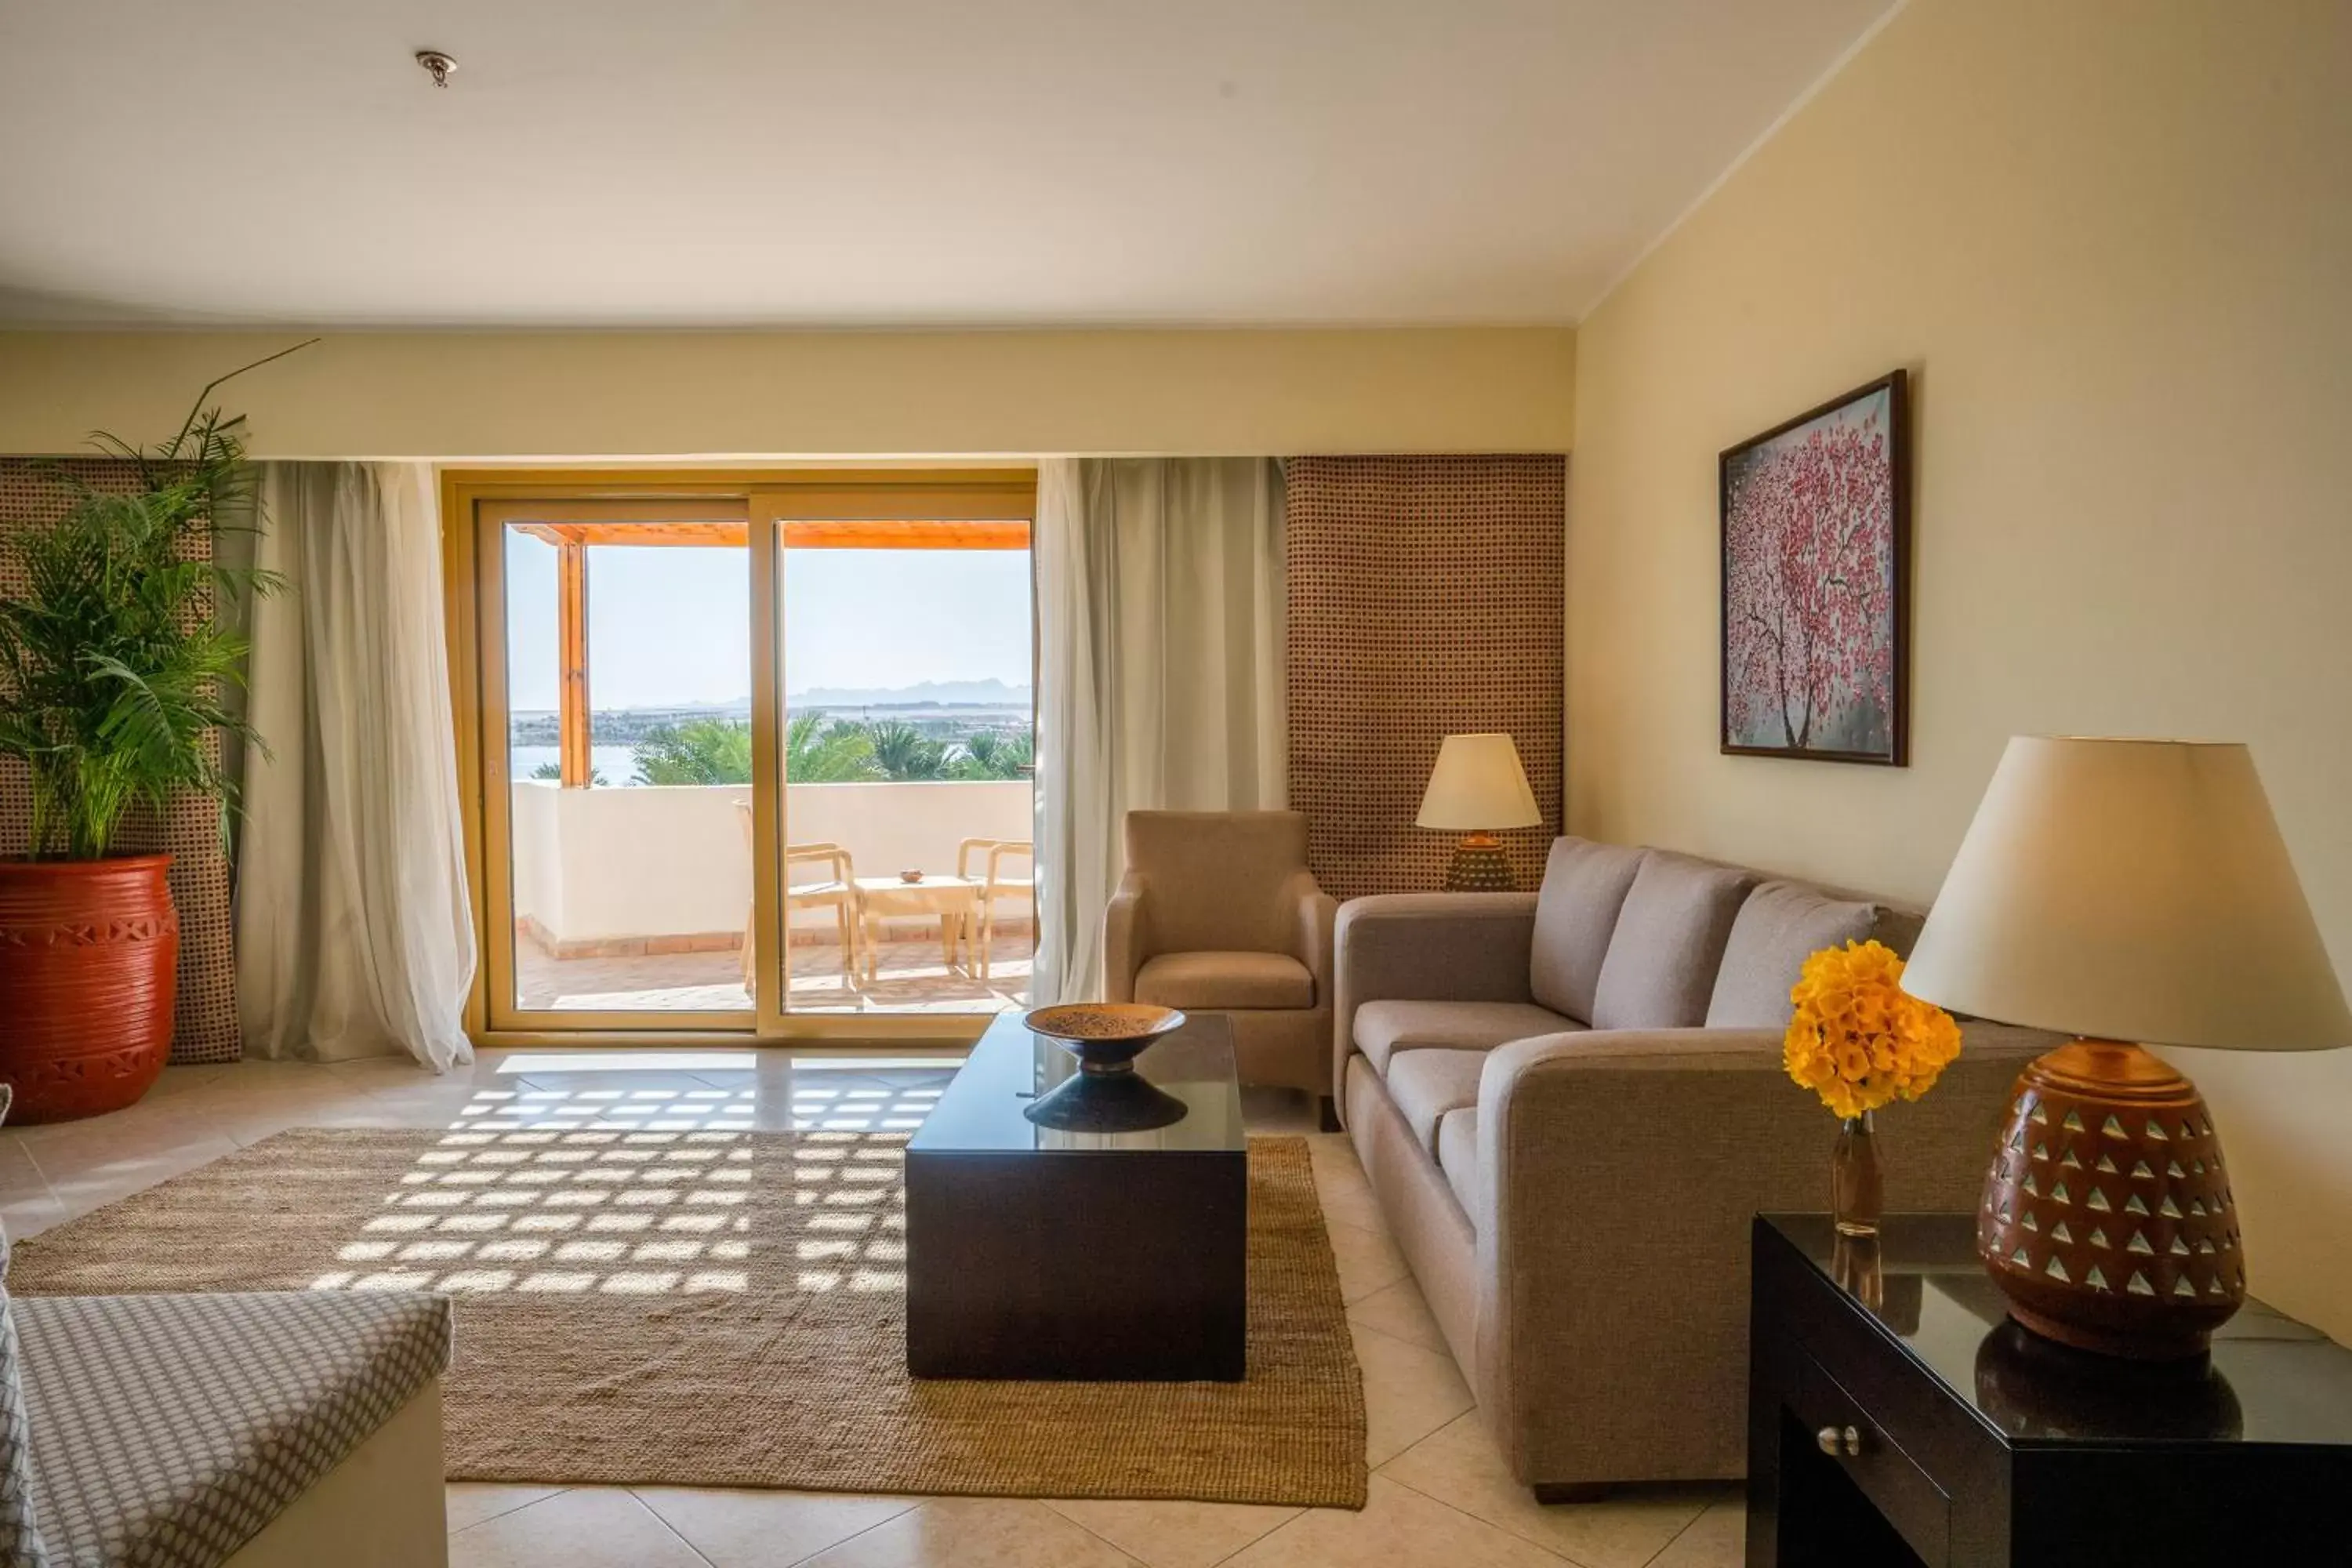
[756, 763]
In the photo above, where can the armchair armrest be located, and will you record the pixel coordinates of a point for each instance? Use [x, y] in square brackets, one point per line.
[1620, 1170]
[1466, 947]
[1317, 912]
[1124, 939]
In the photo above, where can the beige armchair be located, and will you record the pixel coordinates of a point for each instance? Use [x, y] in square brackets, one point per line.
[1218, 913]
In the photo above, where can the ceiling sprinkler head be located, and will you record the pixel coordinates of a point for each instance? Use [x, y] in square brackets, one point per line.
[436, 65]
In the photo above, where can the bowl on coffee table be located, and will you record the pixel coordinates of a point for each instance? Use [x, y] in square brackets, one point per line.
[1105, 1037]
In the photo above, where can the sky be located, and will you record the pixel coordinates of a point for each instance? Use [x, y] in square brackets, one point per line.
[671, 625]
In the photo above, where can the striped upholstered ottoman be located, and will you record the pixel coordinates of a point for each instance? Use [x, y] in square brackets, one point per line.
[252, 1430]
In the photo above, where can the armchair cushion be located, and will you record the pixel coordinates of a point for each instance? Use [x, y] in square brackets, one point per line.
[1385, 1028]
[1225, 980]
[1584, 886]
[1425, 1085]
[1660, 972]
[1780, 926]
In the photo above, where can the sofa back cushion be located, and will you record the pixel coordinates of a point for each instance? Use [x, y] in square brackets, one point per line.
[1584, 886]
[1669, 941]
[1780, 926]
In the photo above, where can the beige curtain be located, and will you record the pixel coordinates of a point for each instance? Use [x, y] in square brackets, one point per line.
[1160, 613]
[353, 933]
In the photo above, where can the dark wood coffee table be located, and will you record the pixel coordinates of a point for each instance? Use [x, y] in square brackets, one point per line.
[1033, 1253]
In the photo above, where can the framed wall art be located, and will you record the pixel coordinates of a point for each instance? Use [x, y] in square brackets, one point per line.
[1816, 531]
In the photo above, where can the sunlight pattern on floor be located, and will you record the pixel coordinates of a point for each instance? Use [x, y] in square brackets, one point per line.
[636, 1192]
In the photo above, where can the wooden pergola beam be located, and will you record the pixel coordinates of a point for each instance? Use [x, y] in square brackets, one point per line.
[800, 533]
[573, 729]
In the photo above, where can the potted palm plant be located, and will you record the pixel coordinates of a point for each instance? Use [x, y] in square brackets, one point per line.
[114, 658]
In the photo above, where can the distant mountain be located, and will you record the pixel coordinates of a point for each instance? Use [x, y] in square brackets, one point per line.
[988, 693]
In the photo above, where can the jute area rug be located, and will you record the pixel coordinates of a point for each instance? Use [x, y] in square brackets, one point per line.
[728, 1308]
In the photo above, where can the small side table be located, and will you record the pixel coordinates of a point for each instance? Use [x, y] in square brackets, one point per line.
[953, 898]
[1897, 1415]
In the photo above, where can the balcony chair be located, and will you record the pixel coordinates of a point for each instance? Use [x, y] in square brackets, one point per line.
[1219, 913]
[839, 891]
[996, 885]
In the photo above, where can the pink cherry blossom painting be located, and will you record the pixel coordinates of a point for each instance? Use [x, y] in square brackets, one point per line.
[1815, 517]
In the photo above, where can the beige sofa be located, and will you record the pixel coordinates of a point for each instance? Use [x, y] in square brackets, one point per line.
[1218, 913]
[1569, 1104]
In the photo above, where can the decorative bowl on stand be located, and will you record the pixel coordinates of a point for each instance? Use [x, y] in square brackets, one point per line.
[1105, 1037]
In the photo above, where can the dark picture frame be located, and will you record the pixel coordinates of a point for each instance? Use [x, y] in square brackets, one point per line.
[1814, 520]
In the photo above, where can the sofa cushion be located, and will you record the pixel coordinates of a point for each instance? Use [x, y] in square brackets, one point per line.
[1584, 885]
[1384, 1029]
[1457, 1157]
[1425, 1085]
[1663, 956]
[1225, 980]
[1780, 926]
[234, 1406]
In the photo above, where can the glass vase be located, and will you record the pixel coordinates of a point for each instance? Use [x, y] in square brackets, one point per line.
[1857, 1180]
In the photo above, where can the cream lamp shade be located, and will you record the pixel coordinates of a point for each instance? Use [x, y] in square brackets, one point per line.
[1477, 786]
[2133, 890]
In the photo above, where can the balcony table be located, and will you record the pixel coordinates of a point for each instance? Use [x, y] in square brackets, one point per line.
[954, 900]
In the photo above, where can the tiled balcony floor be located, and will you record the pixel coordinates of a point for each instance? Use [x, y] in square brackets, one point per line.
[1440, 1495]
[914, 977]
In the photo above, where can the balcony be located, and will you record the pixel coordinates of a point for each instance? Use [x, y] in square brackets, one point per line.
[638, 897]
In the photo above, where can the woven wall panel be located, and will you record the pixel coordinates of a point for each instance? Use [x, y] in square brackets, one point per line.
[189, 832]
[1426, 599]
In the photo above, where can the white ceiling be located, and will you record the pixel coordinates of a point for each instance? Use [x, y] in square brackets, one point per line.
[715, 163]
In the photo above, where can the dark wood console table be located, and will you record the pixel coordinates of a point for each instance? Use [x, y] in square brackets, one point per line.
[1897, 1415]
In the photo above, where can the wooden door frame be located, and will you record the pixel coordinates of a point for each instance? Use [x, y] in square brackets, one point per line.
[767, 497]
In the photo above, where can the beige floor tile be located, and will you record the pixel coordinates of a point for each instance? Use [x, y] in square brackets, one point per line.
[590, 1527]
[1368, 1260]
[1400, 1311]
[1717, 1539]
[738, 1529]
[976, 1533]
[470, 1503]
[1175, 1534]
[1461, 1465]
[1398, 1528]
[28, 1214]
[1353, 1204]
[1408, 1393]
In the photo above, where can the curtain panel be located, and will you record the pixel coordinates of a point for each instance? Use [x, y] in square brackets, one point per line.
[1160, 608]
[355, 936]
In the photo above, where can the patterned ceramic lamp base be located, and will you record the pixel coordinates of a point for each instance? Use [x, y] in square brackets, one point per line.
[2107, 1217]
[1479, 866]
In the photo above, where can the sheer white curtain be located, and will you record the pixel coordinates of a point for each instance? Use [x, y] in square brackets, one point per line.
[353, 933]
[1159, 615]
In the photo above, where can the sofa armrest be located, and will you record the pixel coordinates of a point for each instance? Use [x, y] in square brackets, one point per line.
[1436, 947]
[1315, 912]
[1619, 1172]
[1124, 938]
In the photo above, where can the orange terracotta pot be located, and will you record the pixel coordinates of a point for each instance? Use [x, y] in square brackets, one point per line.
[90, 954]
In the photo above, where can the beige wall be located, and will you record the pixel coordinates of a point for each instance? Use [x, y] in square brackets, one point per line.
[476, 395]
[2112, 241]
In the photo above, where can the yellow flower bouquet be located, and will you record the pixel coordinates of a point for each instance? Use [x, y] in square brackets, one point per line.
[1859, 1042]
[1856, 1039]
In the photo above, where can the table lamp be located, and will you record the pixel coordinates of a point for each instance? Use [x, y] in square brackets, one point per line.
[2128, 893]
[1477, 789]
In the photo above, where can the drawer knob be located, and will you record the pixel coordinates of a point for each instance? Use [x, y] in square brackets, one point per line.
[1836, 1440]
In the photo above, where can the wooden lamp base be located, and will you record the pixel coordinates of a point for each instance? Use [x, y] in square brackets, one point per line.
[1479, 866]
[2107, 1217]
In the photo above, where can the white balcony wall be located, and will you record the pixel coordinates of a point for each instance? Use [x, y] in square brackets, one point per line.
[594, 865]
